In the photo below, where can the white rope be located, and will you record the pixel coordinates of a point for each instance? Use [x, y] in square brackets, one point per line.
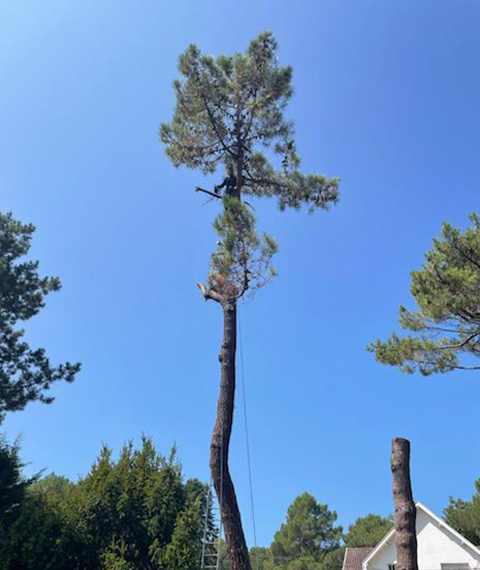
[220, 504]
[247, 439]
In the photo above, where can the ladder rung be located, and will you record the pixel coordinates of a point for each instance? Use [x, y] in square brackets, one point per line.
[211, 543]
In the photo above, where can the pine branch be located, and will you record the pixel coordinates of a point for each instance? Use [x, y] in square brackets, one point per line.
[198, 189]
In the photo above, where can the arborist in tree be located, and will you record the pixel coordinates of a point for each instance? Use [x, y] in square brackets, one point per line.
[229, 183]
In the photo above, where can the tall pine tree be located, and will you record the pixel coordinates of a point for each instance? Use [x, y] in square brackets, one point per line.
[229, 110]
[307, 537]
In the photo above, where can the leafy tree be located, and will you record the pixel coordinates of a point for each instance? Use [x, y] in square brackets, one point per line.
[133, 512]
[308, 535]
[447, 324]
[367, 531]
[333, 560]
[464, 516]
[134, 501]
[12, 483]
[311, 542]
[228, 110]
[260, 557]
[43, 534]
[53, 487]
[184, 550]
[114, 557]
[13, 488]
[263, 559]
[25, 373]
[37, 539]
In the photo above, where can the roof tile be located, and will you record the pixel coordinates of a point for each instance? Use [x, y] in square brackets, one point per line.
[354, 557]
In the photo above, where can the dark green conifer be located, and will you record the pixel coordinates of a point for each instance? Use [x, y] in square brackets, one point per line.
[446, 326]
[25, 373]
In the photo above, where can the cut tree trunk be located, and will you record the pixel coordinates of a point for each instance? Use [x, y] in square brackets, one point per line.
[232, 523]
[405, 510]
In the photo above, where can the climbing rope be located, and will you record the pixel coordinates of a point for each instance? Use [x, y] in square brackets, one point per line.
[247, 439]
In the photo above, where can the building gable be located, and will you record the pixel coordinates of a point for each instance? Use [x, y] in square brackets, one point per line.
[439, 547]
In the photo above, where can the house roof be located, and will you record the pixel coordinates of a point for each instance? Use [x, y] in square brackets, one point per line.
[354, 557]
[437, 520]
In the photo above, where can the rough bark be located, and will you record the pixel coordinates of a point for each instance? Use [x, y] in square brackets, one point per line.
[230, 513]
[405, 510]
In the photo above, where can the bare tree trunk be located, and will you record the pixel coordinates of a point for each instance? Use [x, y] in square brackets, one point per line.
[405, 510]
[232, 523]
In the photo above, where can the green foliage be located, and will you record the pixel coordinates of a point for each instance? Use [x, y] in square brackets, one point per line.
[308, 535]
[184, 552]
[39, 539]
[114, 557]
[25, 373]
[226, 108]
[447, 292]
[241, 255]
[134, 501]
[464, 516]
[333, 560]
[12, 483]
[224, 563]
[260, 557]
[230, 110]
[134, 512]
[310, 541]
[367, 531]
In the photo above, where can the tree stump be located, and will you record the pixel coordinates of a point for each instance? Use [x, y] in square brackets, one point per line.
[405, 510]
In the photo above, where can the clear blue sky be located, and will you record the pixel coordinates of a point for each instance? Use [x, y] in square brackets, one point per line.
[387, 98]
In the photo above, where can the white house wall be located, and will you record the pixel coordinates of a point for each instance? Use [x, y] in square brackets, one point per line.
[437, 545]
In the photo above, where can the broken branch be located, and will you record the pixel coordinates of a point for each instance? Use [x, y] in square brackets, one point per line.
[198, 189]
[209, 293]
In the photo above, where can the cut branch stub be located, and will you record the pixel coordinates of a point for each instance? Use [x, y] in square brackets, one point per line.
[209, 293]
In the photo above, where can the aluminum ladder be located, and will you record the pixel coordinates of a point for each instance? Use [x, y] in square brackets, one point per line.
[212, 532]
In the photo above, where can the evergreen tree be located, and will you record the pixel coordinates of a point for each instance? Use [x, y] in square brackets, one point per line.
[132, 502]
[131, 513]
[308, 535]
[43, 533]
[227, 110]
[464, 516]
[447, 324]
[12, 483]
[367, 531]
[184, 550]
[115, 557]
[333, 560]
[260, 557]
[38, 539]
[25, 373]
